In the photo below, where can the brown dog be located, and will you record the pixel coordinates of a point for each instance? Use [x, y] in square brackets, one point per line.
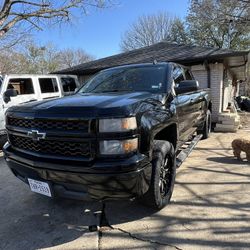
[239, 145]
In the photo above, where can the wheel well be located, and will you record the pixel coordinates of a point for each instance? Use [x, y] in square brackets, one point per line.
[168, 134]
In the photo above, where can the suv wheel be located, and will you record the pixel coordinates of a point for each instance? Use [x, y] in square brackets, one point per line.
[207, 126]
[163, 175]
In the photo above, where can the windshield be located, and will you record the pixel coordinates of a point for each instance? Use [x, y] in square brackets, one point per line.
[148, 78]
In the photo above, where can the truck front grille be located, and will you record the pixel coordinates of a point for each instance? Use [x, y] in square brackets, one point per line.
[60, 148]
[46, 124]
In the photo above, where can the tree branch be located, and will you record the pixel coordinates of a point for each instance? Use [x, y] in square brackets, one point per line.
[30, 3]
[5, 10]
[9, 25]
[33, 12]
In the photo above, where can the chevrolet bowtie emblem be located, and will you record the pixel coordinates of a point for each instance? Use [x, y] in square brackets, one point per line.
[35, 135]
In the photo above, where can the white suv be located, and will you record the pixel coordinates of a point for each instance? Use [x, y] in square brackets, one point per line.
[17, 89]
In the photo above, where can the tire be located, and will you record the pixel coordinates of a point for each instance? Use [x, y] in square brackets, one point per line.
[206, 127]
[163, 176]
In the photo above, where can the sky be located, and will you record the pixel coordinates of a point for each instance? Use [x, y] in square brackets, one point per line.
[99, 32]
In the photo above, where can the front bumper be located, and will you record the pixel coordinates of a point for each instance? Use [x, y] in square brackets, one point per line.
[120, 179]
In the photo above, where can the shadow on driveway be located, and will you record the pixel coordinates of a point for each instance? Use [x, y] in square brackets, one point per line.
[228, 160]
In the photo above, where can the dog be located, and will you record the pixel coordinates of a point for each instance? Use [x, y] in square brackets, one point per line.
[239, 145]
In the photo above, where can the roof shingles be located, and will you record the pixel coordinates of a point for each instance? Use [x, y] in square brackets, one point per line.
[163, 51]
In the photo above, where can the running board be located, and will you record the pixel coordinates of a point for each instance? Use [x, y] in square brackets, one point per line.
[183, 154]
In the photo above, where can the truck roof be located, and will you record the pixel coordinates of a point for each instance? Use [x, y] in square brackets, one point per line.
[144, 64]
[138, 65]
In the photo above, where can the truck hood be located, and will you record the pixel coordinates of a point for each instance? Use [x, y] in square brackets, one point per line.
[94, 104]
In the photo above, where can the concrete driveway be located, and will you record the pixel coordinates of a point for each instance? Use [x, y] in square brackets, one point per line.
[210, 209]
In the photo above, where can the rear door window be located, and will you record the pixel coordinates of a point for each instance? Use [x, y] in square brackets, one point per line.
[48, 85]
[68, 84]
[23, 86]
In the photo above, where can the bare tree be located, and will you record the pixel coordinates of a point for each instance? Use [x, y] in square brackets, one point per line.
[31, 59]
[72, 57]
[37, 59]
[147, 30]
[8, 62]
[20, 16]
[223, 24]
[241, 11]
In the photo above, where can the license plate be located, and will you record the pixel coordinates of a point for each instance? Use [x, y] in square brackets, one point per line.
[39, 187]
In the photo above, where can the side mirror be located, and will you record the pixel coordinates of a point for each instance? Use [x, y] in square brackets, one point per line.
[186, 86]
[9, 93]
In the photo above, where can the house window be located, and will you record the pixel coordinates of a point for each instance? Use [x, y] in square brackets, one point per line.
[68, 84]
[48, 85]
[23, 86]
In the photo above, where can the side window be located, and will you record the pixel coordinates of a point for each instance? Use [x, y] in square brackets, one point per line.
[178, 75]
[24, 86]
[68, 84]
[48, 85]
[188, 75]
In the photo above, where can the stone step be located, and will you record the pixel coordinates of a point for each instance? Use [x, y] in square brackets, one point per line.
[225, 130]
[227, 126]
[228, 118]
[227, 115]
[231, 122]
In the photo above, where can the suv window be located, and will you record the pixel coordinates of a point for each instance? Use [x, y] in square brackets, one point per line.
[188, 75]
[68, 84]
[178, 74]
[48, 85]
[24, 86]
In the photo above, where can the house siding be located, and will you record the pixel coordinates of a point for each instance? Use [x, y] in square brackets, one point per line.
[200, 74]
[216, 89]
[216, 84]
[83, 78]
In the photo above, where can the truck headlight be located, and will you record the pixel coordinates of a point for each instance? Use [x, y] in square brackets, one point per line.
[117, 124]
[118, 147]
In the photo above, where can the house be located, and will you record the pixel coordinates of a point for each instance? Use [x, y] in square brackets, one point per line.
[221, 70]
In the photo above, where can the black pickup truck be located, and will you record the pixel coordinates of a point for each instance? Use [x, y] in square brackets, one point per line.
[120, 136]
